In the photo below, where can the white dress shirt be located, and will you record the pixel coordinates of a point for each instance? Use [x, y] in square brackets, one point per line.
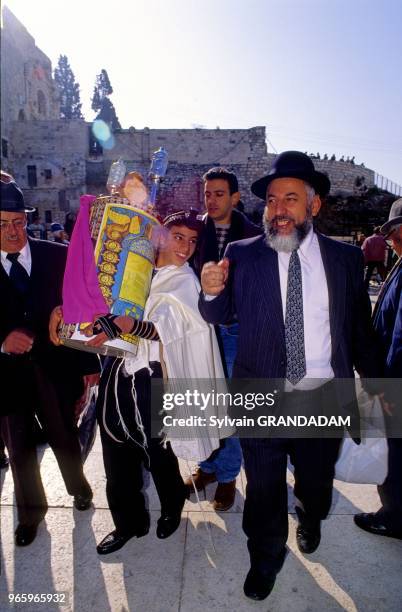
[25, 259]
[317, 334]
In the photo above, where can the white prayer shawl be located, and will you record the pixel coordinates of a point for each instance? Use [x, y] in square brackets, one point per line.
[190, 348]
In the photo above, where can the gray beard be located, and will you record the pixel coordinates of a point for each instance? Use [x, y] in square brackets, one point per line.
[286, 244]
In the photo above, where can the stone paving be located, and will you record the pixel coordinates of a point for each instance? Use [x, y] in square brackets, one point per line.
[201, 567]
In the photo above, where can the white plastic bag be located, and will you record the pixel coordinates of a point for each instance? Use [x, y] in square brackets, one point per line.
[367, 462]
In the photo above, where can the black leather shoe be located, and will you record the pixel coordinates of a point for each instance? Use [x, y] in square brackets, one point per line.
[169, 521]
[167, 524]
[258, 586]
[83, 501]
[308, 533]
[3, 461]
[308, 538]
[25, 534]
[373, 523]
[116, 540]
[224, 496]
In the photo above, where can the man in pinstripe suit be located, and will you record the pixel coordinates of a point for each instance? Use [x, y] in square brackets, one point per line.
[304, 318]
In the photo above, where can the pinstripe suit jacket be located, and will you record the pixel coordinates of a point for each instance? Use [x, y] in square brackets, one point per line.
[253, 293]
[65, 366]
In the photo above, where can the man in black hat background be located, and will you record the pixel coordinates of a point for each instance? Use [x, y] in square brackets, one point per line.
[38, 378]
[304, 319]
[387, 319]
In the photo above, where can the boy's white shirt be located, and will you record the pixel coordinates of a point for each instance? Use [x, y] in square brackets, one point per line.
[190, 350]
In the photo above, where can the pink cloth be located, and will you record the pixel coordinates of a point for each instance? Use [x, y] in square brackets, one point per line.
[82, 297]
[374, 248]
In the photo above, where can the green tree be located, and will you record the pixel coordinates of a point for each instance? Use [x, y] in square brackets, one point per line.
[69, 90]
[100, 101]
[96, 100]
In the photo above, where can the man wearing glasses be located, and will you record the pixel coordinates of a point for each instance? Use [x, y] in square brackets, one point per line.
[387, 319]
[37, 377]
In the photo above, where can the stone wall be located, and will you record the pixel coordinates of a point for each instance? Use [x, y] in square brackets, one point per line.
[63, 147]
[201, 146]
[57, 150]
[193, 152]
[27, 88]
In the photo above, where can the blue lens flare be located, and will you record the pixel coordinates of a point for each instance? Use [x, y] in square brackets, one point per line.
[103, 134]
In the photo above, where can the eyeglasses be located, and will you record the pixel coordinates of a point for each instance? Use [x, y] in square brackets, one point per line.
[388, 238]
[19, 224]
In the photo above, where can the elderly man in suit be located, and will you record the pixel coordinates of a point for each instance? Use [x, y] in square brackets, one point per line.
[37, 377]
[387, 319]
[304, 319]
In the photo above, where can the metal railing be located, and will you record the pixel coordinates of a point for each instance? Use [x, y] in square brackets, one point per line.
[383, 183]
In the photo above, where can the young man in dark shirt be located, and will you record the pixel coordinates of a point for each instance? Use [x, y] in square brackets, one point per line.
[223, 223]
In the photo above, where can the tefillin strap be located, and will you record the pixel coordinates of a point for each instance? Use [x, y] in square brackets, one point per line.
[142, 329]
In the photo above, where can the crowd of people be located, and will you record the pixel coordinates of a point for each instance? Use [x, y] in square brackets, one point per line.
[57, 231]
[325, 157]
[227, 299]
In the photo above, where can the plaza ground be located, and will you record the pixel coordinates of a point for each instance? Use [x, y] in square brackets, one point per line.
[200, 567]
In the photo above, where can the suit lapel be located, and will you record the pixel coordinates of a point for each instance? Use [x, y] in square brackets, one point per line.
[8, 291]
[4, 276]
[336, 281]
[266, 271]
[36, 261]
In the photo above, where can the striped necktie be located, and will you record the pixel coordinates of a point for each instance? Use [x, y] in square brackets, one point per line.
[294, 323]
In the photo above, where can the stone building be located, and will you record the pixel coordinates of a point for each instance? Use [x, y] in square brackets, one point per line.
[55, 160]
[28, 91]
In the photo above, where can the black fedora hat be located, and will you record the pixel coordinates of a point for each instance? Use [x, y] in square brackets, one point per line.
[12, 199]
[293, 164]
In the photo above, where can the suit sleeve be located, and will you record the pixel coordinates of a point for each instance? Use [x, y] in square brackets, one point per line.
[48, 290]
[221, 309]
[393, 362]
[364, 344]
[394, 357]
[388, 326]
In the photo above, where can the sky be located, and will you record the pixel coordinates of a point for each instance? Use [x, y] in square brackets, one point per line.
[321, 75]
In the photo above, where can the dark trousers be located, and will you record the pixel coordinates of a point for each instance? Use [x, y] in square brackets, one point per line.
[265, 517]
[18, 430]
[370, 269]
[124, 461]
